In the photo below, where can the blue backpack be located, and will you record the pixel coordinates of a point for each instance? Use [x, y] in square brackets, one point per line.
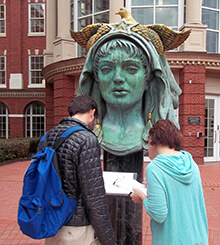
[44, 207]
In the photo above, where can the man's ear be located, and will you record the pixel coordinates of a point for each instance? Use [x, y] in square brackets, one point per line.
[92, 113]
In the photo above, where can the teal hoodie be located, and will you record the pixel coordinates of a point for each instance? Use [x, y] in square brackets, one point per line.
[175, 201]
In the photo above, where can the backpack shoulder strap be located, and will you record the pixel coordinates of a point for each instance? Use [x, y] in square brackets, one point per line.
[42, 142]
[66, 134]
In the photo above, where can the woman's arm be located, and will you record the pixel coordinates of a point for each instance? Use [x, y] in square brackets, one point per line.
[156, 205]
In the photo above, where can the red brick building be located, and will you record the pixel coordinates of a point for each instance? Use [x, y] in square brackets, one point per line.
[35, 33]
[195, 64]
[22, 86]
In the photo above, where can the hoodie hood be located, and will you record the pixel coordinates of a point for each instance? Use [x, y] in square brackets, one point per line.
[179, 167]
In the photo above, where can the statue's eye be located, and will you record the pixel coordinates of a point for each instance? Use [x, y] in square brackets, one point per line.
[105, 69]
[132, 69]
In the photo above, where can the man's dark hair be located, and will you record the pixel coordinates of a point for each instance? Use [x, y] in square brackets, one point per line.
[165, 132]
[82, 104]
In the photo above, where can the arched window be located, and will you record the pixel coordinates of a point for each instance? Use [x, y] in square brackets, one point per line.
[35, 120]
[4, 122]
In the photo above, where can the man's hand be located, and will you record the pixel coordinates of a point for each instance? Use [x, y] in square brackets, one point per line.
[137, 196]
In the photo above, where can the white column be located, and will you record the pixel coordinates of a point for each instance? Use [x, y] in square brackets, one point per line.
[64, 44]
[193, 11]
[114, 6]
[50, 30]
[63, 24]
[197, 39]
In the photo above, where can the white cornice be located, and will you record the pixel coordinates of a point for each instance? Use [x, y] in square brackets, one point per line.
[180, 63]
[68, 67]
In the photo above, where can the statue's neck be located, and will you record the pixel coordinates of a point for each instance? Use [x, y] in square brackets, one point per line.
[123, 125]
[124, 116]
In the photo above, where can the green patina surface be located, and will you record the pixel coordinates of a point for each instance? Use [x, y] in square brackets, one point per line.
[130, 81]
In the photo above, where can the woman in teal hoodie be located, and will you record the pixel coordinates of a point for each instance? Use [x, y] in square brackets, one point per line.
[174, 200]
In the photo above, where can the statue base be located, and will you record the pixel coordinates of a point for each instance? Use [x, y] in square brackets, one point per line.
[126, 216]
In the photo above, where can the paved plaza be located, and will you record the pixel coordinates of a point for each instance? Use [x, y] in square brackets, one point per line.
[11, 177]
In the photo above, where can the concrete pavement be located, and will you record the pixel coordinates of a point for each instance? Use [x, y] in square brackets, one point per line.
[11, 178]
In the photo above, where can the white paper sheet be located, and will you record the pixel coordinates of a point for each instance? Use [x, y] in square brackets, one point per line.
[121, 183]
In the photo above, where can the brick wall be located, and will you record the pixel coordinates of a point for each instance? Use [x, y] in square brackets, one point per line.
[192, 104]
[17, 41]
[64, 92]
[49, 106]
[18, 45]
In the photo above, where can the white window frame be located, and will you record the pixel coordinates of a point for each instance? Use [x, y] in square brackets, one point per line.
[74, 6]
[213, 30]
[7, 122]
[3, 34]
[31, 115]
[180, 6]
[72, 20]
[35, 85]
[30, 33]
[216, 131]
[3, 85]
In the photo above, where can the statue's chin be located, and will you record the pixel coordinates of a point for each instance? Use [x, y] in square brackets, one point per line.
[121, 149]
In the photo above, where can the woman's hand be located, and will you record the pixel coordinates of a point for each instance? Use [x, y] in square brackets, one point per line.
[137, 196]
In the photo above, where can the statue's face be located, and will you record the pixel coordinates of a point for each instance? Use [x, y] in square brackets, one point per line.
[121, 78]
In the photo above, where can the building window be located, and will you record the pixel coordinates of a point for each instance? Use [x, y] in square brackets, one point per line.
[4, 122]
[2, 71]
[2, 19]
[84, 12]
[167, 12]
[36, 63]
[148, 12]
[209, 127]
[36, 18]
[35, 120]
[210, 17]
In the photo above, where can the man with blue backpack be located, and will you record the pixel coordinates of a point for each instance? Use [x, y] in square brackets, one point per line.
[81, 177]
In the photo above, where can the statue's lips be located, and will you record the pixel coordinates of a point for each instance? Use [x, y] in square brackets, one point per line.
[120, 92]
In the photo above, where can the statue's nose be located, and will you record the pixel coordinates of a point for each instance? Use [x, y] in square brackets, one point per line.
[118, 77]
